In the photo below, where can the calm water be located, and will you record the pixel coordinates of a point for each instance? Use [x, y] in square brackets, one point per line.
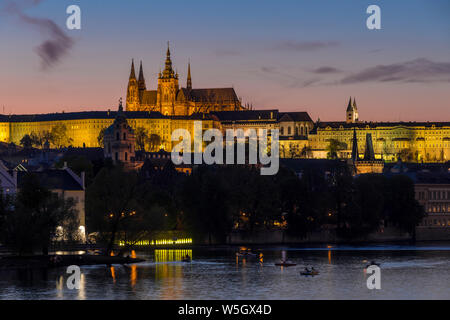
[421, 272]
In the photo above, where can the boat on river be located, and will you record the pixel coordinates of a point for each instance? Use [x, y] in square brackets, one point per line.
[285, 264]
[310, 273]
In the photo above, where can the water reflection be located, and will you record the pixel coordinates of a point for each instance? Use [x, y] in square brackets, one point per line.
[219, 274]
[170, 275]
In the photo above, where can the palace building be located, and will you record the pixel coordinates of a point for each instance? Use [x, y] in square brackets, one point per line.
[172, 100]
[159, 112]
[300, 137]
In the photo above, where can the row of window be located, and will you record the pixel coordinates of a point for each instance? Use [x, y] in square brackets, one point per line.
[436, 223]
[434, 195]
[439, 208]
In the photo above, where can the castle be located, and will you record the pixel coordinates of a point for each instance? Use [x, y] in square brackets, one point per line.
[172, 100]
[160, 112]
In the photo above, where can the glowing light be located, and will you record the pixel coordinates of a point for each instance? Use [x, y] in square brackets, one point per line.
[158, 242]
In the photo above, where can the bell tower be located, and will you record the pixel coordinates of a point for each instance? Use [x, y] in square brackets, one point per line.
[351, 115]
[167, 87]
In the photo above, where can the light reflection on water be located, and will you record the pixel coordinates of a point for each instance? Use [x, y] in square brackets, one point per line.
[406, 273]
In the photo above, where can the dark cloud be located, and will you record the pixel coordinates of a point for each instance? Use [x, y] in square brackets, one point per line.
[325, 69]
[56, 45]
[305, 45]
[418, 70]
[288, 80]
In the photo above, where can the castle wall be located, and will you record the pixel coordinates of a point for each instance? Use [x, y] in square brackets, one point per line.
[415, 143]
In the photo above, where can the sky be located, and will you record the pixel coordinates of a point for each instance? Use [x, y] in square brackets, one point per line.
[290, 55]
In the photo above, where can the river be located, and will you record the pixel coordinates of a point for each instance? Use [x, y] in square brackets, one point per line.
[407, 272]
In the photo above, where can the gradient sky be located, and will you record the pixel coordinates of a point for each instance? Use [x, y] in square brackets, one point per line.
[291, 55]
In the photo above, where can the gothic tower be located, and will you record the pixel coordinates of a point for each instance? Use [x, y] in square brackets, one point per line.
[167, 87]
[352, 112]
[132, 91]
[141, 81]
[189, 79]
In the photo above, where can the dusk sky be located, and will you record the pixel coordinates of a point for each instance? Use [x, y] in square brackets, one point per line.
[290, 55]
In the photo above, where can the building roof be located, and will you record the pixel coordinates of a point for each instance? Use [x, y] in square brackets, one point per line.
[432, 178]
[294, 116]
[363, 125]
[53, 179]
[213, 95]
[79, 116]
[148, 97]
[247, 115]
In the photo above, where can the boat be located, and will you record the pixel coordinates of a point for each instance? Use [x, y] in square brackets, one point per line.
[245, 253]
[285, 264]
[309, 273]
[186, 259]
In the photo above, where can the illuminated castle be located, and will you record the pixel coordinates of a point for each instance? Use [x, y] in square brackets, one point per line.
[170, 99]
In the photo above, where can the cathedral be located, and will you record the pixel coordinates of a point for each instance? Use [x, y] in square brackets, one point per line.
[172, 100]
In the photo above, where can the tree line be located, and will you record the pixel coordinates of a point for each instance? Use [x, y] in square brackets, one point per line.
[57, 137]
[210, 203]
[214, 201]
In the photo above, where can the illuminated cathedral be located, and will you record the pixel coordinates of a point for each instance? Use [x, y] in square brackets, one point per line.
[172, 100]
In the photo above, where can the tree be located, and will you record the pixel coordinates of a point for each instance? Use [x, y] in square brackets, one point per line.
[117, 207]
[100, 137]
[37, 214]
[142, 138]
[78, 164]
[36, 140]
[402, 209]
[363, 210]
[59, 136]
[334, 146]
[406, 155]
[26, 141]
[206, 203]
[155, 142]
[306, 152]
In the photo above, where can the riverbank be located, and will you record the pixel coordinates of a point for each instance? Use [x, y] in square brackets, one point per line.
[53, 261]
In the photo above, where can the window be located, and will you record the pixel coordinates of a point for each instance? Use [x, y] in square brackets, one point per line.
[126, 156]
[117, 156]
[289, 130]
[124, 136]
[117, 136]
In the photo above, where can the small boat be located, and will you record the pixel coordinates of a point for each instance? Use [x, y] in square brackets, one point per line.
[244, 253]
[186, 259]
[285, 264]
[309, 273]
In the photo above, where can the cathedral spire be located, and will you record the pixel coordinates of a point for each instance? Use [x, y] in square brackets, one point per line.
[132, 73]
[141, 81]
[168, 71]
[349, 107]
[189, 79]
[354, 103]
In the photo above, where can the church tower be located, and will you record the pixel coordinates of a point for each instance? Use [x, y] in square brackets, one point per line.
[141, 81]
[167, 87]
[352, 112]
[189, 79]
[133, 103]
